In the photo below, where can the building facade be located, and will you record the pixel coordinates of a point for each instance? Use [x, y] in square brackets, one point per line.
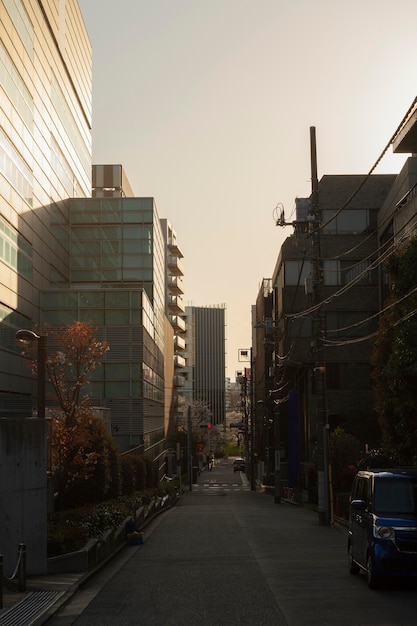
[45, 144]
[175, 311]
[315, 359]
[75, 244]
[205, 371]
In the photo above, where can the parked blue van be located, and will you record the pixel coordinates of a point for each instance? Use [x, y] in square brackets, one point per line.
[383, 524]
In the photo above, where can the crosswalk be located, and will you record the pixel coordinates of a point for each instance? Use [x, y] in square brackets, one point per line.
[212, 487]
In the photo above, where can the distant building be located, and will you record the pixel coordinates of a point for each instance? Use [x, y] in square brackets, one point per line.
[205, 371]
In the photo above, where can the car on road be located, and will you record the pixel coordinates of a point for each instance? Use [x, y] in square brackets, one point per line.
[239, 465]
[382, 539]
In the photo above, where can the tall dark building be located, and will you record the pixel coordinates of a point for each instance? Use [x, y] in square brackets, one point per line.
[206, 358]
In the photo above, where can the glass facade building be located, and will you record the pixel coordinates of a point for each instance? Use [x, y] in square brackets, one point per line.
[45, 157]
[74, 242]
[117, 282]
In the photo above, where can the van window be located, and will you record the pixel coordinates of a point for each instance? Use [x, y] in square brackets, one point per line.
[362, 490]
[395, 495]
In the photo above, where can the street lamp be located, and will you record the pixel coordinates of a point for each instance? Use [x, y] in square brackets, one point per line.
[26, 337]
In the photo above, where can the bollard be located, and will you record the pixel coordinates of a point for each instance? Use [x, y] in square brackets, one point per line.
[22, 567]
[1, 581]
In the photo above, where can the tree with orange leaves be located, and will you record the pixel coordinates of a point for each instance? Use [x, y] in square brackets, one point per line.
[81, 445]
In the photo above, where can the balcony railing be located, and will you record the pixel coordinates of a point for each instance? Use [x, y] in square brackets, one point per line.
[175, 266]
[177, 323]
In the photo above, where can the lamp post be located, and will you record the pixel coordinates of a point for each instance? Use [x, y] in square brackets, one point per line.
[26, 337]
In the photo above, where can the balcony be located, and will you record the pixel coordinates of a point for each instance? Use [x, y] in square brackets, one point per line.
[179, 342]
[175, 285]
[178, 323]
[175, 304]
[174, 248]
[179, 361]
[175, 266]
[178, 401]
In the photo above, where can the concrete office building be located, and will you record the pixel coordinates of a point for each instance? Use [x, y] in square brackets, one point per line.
[205, 371]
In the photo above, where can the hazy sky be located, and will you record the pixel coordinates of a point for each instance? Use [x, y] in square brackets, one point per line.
[207, 104]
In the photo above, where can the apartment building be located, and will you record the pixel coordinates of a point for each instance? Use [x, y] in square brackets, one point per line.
[293, 326]
[175, 311]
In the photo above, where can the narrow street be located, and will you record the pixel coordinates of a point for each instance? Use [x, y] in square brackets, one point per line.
[226, 555]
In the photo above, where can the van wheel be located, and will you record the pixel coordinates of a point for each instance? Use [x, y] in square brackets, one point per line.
[353, 567]
[373, 581]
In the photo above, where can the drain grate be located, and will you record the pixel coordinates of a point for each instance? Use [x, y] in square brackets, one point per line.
[29, 609]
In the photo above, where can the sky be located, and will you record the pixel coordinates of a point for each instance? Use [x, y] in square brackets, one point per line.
[208, 106]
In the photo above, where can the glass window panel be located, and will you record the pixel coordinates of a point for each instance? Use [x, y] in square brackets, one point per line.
[117, 318]
[117, 299]
[96, 389]
[111, 206]
[85, 218]
[91, 299]
[136, 387]
[117, 371]
[62, 299]
[112, 233]
[136, 299]
[133, 261]
[134, 247]
[83, 276]
[86, 233]
[352, 221]
[296, 272]
[111, 247]
[133, 232]
[111, 276]
[331, 272]
[111, 262]
[111, 217]
[136, 370]
[328, 218]
[85, 247]
[96, 316]
[86, 262]
[59, 318]
[117, 389]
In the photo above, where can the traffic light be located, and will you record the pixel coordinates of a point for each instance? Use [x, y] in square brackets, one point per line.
[206, 426]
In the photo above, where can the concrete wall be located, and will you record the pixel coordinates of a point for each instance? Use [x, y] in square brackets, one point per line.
[23, 493]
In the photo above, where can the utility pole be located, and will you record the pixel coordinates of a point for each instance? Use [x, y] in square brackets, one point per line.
[318, 332]
[190, 448]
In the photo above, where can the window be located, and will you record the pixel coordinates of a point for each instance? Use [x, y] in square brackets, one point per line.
[347, 222]
[296, 272]
[344, 272]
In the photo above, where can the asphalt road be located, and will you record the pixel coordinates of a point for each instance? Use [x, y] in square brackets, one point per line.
[228, 556]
